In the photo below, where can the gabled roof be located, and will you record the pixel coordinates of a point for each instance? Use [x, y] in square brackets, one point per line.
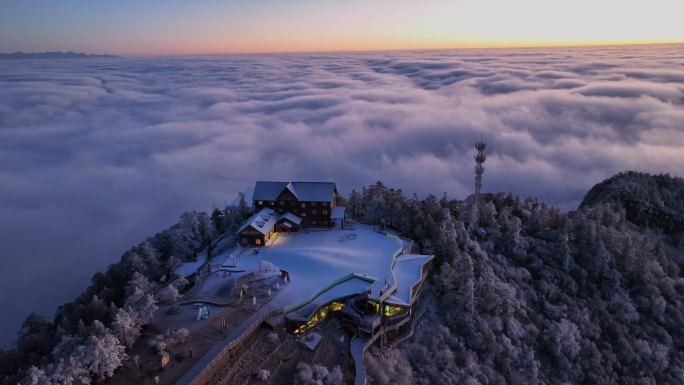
[290, 187]
[290, 217]
[303, 191]
[262, 221]
[267, 191]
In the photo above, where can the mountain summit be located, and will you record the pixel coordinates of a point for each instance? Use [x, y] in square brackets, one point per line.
[648, 200]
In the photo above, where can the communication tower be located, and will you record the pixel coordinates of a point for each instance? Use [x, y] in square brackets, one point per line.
[480, 158]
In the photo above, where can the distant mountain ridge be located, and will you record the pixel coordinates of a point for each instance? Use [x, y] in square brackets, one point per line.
[648, 200]
[52, 55]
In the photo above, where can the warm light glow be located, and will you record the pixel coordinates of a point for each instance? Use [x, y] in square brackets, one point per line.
[175, 27]
[320, 315]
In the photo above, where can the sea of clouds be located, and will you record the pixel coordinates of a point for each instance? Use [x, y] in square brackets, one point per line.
[95, 155]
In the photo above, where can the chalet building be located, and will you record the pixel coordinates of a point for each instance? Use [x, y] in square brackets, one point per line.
[259, 228]
[313, 202]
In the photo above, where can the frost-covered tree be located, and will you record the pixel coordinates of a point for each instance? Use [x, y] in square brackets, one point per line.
[70, 372]
[355, 205]
[217, 220]
[169, 294]
[317, 375]
[140, 298]
[37, 376]
[446, 239]
[101, 355]
[126, 326]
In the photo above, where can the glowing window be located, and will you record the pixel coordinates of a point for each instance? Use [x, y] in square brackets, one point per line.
[320, 315]
[257, 241]
[374, 307]
[391, 310]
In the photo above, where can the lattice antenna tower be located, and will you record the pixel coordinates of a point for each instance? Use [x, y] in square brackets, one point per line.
[480, 158]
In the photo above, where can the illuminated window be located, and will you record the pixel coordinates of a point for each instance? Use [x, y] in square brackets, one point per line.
[303, 214]
[391, 310]
[257, 241]
[303, 205]
[373, 307]
[319, 316]
[261, 202]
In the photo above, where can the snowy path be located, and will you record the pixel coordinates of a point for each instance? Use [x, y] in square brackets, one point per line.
[358, 348]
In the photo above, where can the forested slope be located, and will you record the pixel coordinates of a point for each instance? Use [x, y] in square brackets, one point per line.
[648, 200]
[530, 295]
[543, 297]
[89, 337]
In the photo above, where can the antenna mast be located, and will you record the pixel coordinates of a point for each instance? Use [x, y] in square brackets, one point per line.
[479, 170]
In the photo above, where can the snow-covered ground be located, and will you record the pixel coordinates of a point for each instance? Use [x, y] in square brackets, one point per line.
[187, 268]
[322, 265]
[316, 259]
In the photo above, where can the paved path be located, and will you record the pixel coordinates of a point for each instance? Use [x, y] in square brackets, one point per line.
[358, 348]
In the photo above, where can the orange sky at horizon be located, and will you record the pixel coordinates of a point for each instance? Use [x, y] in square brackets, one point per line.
[175, 27]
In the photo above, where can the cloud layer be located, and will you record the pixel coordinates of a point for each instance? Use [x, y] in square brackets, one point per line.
[97, 154]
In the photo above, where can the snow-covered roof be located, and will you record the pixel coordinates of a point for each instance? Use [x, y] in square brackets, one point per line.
[303, 191]
[343, 289]
[408, 270]
[262, 221]
[319, 264]
[290, 217]
[337, 212]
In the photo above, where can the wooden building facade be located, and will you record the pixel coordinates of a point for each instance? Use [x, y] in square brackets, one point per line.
[258, 229]
[313, 202]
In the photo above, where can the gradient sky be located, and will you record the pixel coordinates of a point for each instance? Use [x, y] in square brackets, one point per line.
[175, 27]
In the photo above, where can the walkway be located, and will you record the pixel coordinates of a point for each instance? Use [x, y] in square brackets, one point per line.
[358, 348]
[235, 336]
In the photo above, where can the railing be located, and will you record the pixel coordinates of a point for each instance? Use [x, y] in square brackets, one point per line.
[393, 286]
[214, 365]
